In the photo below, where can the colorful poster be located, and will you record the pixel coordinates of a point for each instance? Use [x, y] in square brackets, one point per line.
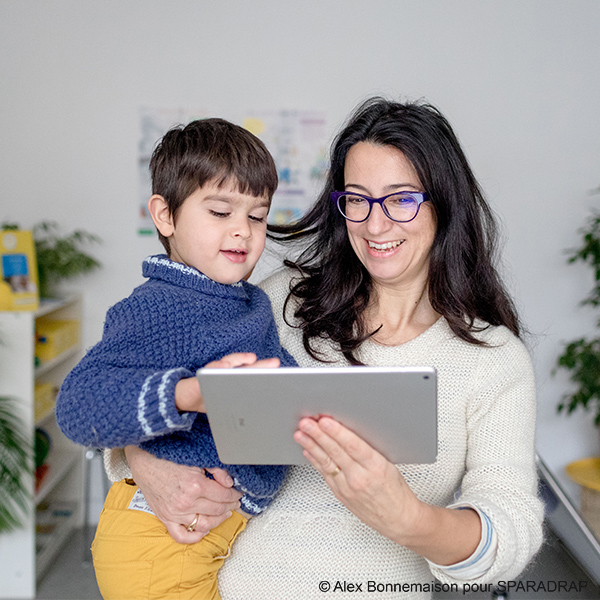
[297, 139]
[298, 142]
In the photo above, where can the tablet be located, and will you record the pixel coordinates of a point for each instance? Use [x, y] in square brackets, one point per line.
[253, 413]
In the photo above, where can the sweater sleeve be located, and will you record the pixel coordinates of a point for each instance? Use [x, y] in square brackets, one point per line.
[500, 479]
[276, 288]
[120, 393]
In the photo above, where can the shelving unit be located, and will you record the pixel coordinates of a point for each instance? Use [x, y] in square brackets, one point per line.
[26, 553]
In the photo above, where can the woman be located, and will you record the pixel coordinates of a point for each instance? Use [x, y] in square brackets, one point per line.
[398, 270]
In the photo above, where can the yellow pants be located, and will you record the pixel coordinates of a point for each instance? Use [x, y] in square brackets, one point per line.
[135, 558]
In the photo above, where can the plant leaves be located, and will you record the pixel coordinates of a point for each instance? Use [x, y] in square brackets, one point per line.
[582, 357]
[15, 462]
[61, 256]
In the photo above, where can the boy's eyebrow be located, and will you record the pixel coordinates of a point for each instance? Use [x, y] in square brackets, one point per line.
[223, 198]
[260, 201]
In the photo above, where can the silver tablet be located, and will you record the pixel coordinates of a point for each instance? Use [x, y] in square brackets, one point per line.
[253, 413]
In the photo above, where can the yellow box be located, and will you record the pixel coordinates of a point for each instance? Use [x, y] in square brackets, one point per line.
[18, 271]
[53, 337]
[44, 398]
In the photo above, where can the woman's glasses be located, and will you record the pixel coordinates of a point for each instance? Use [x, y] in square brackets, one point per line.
[400, 206]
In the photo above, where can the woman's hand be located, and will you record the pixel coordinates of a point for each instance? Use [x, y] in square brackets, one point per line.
[374, 490]
[176, 493]
[360, 477]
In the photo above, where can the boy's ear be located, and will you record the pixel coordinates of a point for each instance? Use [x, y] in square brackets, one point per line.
[159, 211]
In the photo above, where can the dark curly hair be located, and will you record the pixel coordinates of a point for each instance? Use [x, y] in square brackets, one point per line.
[463, 282]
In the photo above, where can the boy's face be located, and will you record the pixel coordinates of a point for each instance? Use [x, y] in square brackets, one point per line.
[220, 232]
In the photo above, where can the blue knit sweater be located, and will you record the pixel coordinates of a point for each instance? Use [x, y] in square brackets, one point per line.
[123, 390]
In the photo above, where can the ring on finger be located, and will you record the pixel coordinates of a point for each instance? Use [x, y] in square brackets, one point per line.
[334, 472]
[192, 526]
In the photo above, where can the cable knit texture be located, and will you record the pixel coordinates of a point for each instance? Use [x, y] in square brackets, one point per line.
[486, 421]
[123, 391]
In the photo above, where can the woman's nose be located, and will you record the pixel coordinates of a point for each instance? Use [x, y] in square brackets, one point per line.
[378, 222]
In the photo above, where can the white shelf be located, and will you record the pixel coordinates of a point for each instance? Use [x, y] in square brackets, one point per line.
[60, 463]
[20, 567]
[57, 360]
[51, 544]
[50, 305]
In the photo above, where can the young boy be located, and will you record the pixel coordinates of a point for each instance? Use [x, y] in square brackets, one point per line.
[212, 184]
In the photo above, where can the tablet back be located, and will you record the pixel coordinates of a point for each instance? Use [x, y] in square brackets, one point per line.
[253, 413]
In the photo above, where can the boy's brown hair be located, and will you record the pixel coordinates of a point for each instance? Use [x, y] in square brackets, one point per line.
[210, 150]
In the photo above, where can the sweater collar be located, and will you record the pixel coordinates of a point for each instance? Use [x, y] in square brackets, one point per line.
[161, 267]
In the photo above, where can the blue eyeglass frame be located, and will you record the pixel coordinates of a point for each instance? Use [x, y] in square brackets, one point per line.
[420, 197]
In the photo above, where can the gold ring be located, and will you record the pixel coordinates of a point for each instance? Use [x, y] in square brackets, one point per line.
[192, 526]
[334, 473]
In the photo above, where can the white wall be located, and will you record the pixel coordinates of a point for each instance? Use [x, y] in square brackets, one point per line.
[518, 79]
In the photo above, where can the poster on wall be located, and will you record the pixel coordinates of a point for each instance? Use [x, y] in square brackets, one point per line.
[298, 142]
[297, 139]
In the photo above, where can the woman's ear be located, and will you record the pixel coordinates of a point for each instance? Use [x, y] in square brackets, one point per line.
[159, 211]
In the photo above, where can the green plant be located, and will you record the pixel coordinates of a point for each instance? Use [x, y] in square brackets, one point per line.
[59, 256]
[15, 462]
[582, 357]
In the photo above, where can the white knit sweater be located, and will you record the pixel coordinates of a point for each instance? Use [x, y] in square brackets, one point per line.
[486, 421]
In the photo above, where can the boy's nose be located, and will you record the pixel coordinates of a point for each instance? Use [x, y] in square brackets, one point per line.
[242, 229]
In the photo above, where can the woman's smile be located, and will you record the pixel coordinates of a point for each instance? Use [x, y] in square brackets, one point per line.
[383, 249]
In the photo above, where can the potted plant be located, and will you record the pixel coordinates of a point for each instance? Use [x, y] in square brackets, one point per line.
[582, 357]
[59, 256]
[15, 462]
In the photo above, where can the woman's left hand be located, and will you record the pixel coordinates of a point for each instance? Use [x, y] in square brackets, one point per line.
[374, 490]
[360, 477]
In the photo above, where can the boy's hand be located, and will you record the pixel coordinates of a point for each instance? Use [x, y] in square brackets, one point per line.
[188, 397]
[243, 359]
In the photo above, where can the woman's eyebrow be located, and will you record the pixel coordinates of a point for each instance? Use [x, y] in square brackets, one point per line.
[389, 188]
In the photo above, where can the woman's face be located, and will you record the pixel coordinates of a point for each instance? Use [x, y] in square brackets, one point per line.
[377, 171]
